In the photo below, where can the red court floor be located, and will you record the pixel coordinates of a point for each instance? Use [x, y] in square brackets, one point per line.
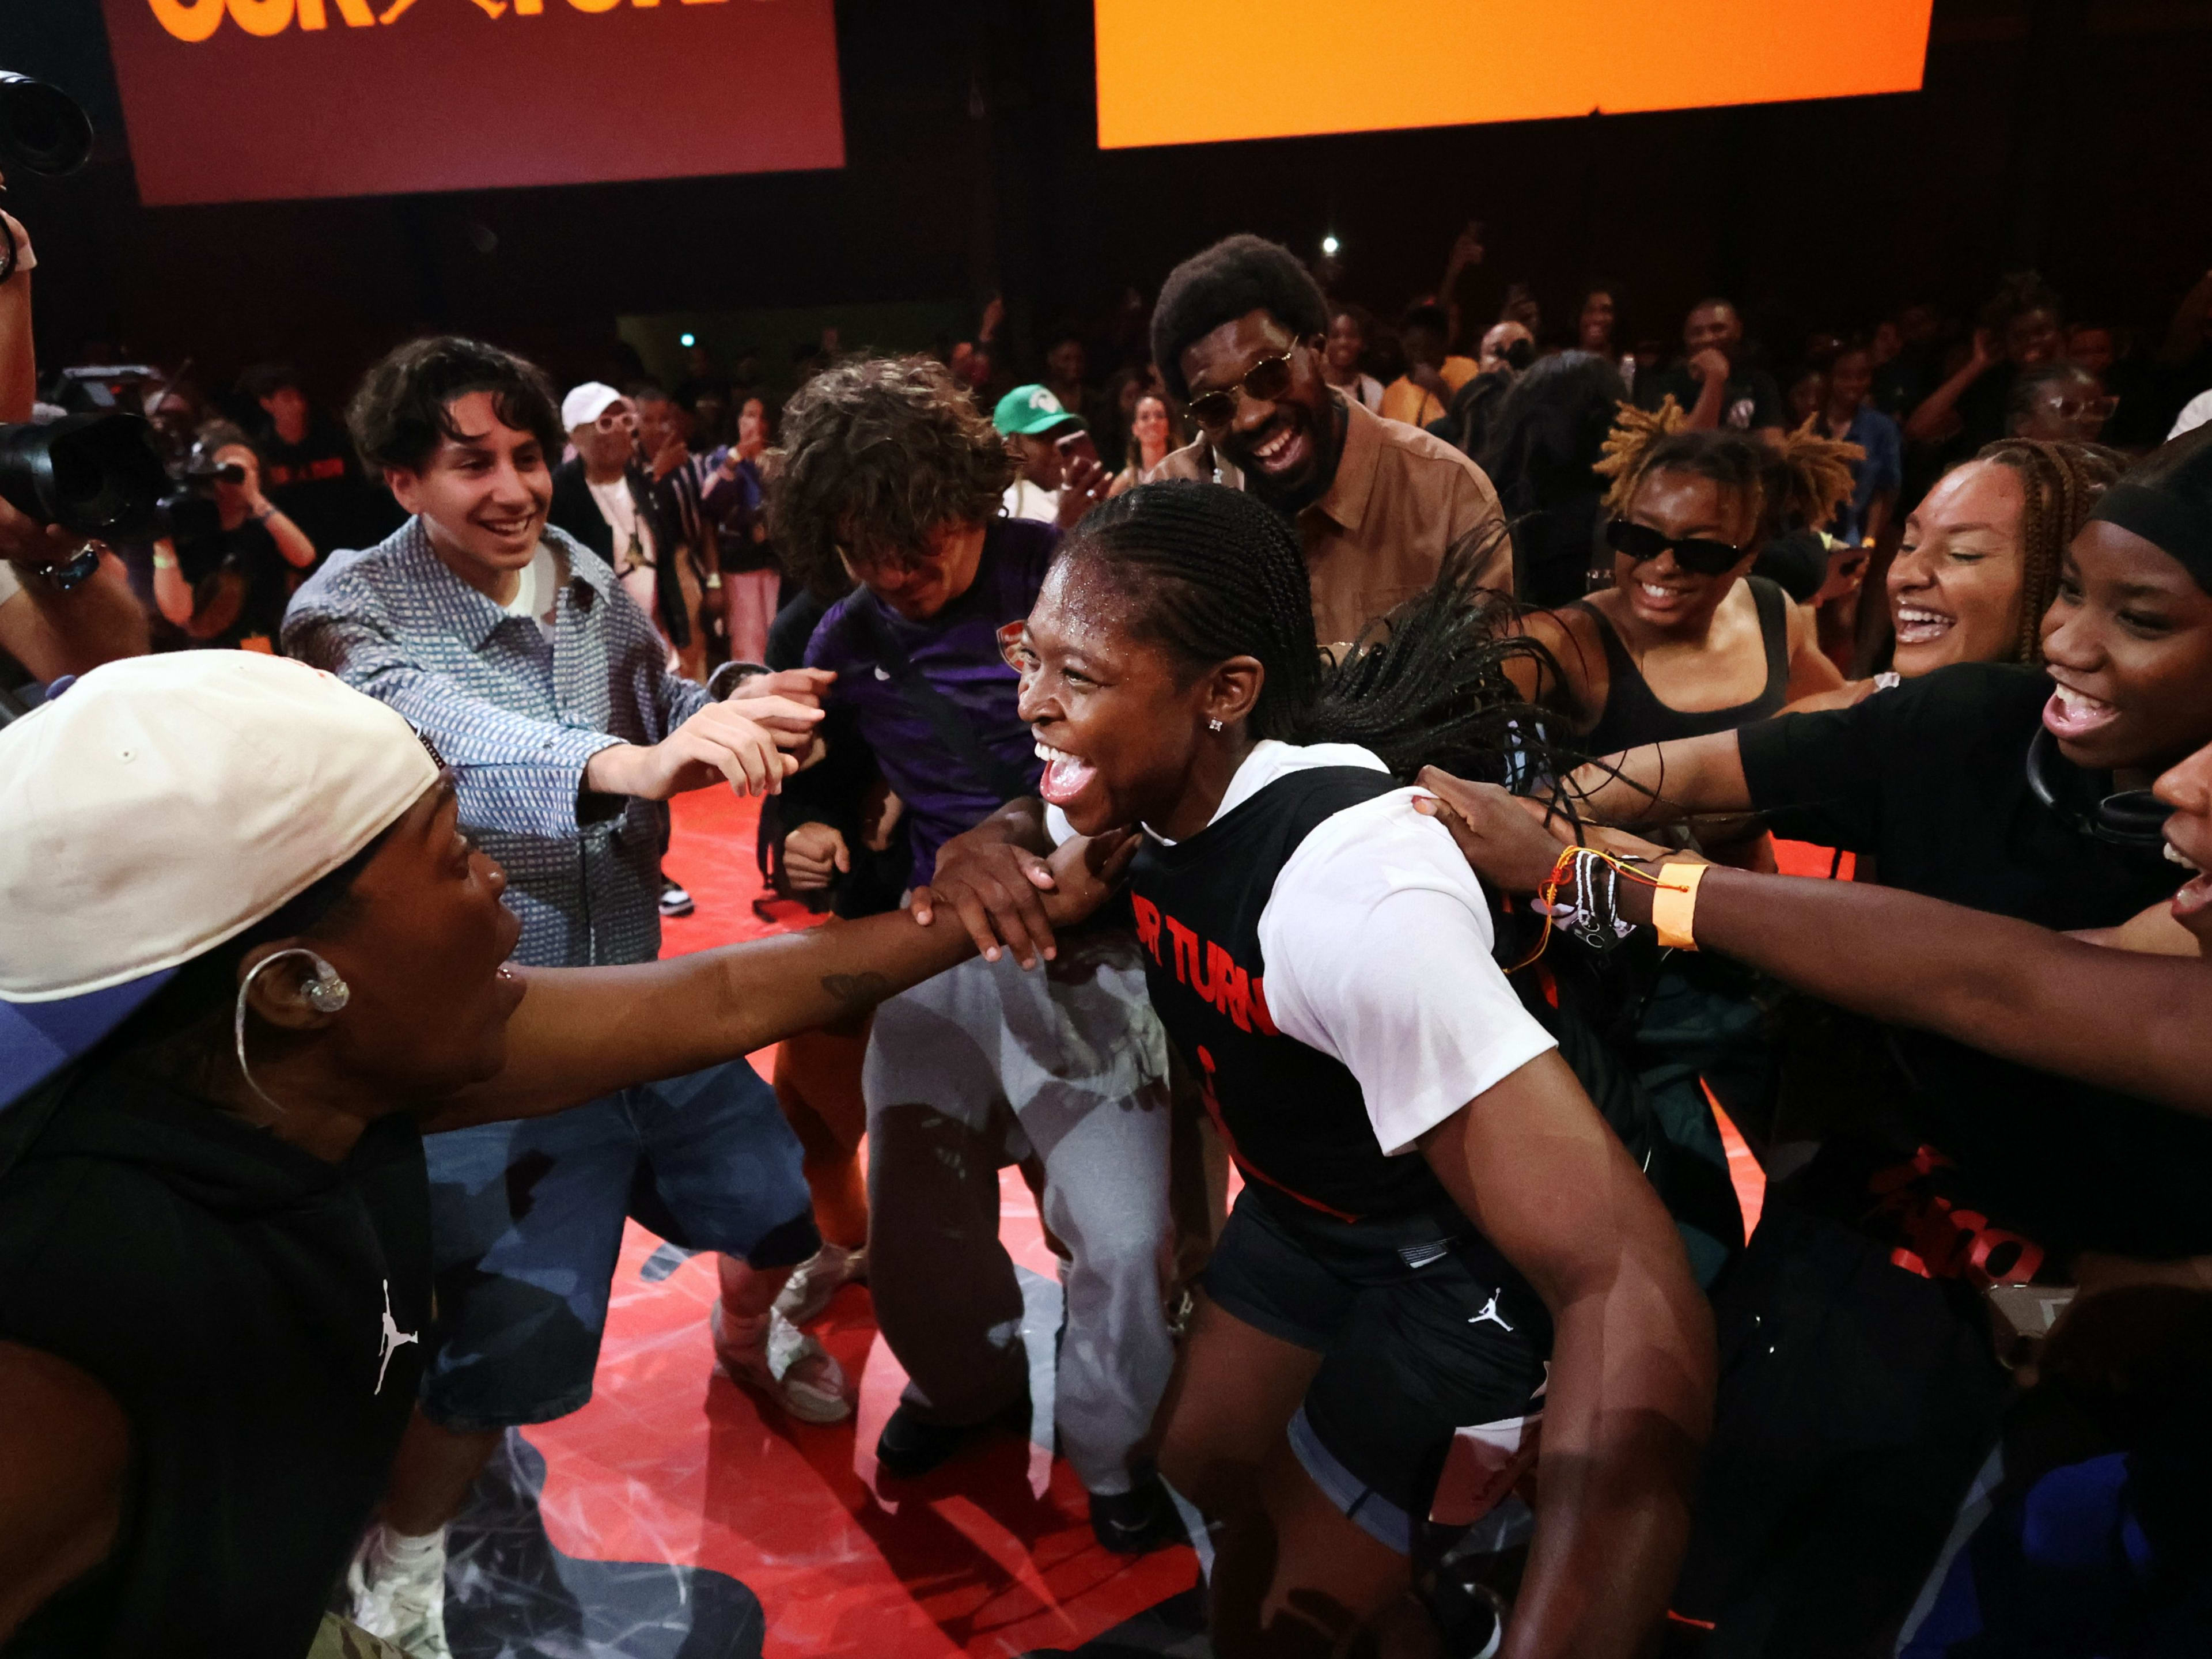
[676, 1516]
[684, 1481]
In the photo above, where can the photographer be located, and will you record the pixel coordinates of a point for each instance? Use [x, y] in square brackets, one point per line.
[230, 582]
[48, 631]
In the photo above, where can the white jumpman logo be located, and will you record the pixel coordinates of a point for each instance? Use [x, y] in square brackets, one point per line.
[1490, 1312]
[393, 1341]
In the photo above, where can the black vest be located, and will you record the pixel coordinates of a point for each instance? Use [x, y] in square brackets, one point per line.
[1294, 1120]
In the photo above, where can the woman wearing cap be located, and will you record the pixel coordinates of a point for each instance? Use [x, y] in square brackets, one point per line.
[2007, 788]
[249, 959]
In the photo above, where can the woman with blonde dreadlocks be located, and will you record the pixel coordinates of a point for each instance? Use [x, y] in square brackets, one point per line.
[1686, 641]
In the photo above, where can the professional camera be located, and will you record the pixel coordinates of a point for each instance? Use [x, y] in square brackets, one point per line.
[190, 517]
[94, 472]
[97, 475]
[43, 131]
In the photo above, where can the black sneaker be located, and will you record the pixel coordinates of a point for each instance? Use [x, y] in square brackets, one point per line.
[674, 900]
[1138, 1521]
[910, 1447]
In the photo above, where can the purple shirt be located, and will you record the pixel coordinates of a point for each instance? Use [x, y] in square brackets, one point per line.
[957, 651]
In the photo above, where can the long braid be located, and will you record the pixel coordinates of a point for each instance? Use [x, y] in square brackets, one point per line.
[1216, 575]
[2061, 483]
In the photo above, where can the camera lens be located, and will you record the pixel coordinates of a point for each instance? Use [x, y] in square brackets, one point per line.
[97, 475]
[42, 129]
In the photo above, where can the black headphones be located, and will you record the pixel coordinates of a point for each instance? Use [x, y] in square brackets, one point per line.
[2128, 817]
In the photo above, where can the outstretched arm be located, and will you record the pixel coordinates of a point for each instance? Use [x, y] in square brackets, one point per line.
[1665, 782]
[1631, 1390]
[582, 1032]
[2009, 987]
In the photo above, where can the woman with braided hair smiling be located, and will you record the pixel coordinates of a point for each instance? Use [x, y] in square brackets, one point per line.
[1979, 560]
[1439, 1242]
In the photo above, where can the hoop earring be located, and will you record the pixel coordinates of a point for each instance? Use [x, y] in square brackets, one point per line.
[1214, 726]
[326, 994]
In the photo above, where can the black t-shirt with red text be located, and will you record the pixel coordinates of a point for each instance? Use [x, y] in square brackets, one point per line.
[318, 483]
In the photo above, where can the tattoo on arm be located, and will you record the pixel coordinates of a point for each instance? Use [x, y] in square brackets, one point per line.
[857, 991]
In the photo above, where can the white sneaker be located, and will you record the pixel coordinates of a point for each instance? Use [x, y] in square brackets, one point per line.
[397, 1585]
[820, 1276]
[770, 1355]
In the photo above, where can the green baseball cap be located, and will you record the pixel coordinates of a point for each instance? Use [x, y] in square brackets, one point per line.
[1031, 410]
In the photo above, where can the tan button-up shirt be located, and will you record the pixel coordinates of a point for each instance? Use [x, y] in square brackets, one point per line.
[1376, 538]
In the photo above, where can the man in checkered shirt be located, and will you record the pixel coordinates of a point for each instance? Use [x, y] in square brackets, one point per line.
[517, 653]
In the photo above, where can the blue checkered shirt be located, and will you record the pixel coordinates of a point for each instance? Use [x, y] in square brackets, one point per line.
[516, 716]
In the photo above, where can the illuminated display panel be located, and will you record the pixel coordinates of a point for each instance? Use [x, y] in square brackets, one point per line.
[229, 100]
[1200, 71]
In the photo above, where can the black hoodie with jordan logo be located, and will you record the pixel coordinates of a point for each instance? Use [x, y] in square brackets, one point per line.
[257, 1314]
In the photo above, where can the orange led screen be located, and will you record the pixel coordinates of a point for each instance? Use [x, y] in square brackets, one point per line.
[1197, 71]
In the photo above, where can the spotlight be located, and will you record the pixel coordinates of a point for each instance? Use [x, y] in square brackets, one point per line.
[686, 340]
[1328, 246]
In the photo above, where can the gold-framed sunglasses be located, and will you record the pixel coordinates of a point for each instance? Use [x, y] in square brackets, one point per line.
[1265, 381]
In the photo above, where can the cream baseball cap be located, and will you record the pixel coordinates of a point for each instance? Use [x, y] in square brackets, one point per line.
[157, 806]
[585, 403]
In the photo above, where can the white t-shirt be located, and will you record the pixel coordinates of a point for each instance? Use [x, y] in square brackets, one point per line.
[1025, 501]
[538, 591]
[1368, 390]
[10, 584]
[2196, 412]
[633, 538]
[634, 552]
[1377, 940]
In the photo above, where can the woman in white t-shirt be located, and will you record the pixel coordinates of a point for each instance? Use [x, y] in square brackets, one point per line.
[1439, 1242]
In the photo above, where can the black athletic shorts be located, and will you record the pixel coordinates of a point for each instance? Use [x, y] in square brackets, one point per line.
[1428, 1336]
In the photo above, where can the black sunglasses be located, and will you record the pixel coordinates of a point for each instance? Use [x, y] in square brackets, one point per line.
[1641, 543]
[1265, 381]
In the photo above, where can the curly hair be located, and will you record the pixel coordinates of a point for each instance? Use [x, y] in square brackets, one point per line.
[400, 413]
[1800, 478]
[2061, 483]
[1237, 274]
[1214, 574]
[876, 454]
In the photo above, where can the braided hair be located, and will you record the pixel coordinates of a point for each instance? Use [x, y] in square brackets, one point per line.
[2060, 484]
[1800, 478]
[1214, 573]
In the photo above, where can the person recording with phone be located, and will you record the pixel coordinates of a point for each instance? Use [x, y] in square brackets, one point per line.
[224, 574]
[1062, 477]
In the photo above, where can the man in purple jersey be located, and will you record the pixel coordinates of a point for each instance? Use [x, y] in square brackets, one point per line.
[891, 479]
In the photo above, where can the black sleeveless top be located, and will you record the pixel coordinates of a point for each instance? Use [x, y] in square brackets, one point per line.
[1633, 716]
[1294, 1119]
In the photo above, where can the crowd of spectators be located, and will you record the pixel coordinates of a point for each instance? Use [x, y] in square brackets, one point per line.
[374, 979]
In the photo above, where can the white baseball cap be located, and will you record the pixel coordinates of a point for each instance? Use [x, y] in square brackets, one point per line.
[585, 403]
[160, 806]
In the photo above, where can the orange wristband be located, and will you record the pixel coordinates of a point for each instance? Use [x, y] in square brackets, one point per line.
[1674, 906]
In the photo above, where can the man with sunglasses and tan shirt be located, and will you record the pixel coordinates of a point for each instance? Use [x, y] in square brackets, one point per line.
[1238, 335]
